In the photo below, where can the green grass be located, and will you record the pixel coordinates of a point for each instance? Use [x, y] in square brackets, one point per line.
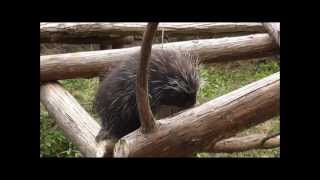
[217, 79]
[222, 78]
[53, 143]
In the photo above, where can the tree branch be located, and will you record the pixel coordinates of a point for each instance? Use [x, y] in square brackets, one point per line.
[245, 143]
[268, 137]
[142, 95]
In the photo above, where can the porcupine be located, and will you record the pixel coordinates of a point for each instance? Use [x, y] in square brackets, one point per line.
[173, 81]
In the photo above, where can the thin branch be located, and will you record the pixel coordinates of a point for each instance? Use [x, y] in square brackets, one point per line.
[145, 113]
[267, 138]
[245, 143]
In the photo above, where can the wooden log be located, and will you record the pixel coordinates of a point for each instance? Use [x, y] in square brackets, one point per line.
[196, 129]
[245, 143]
[90, 64]
[274, 30]
[75, 122]
[100, 32]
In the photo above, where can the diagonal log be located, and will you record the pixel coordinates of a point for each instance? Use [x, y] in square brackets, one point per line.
[75, 122]
[195, 130]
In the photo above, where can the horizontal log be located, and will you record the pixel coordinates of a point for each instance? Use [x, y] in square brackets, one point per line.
[101, 32]
[90, 64]
[74, 121]
[195, 130]
[245, 143]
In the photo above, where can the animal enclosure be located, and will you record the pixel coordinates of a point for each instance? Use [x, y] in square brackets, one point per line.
[209, 127]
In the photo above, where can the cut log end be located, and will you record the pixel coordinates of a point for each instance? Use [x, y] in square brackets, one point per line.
[121, 149]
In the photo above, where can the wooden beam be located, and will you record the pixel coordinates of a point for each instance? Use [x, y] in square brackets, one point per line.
[100, 32]
[196, 129]
[90, 64]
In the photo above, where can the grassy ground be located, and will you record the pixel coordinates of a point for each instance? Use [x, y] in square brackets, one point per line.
[218, 79]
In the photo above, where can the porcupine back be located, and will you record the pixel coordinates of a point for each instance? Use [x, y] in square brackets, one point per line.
[173, 81]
